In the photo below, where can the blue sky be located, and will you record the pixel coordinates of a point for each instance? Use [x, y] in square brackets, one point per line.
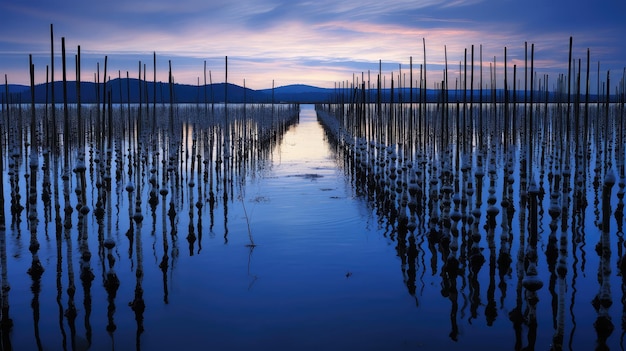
[317, 42]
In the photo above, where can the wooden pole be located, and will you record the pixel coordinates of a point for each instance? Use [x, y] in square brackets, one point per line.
[425, 83]
[506, 104]
[154, 84]
[104, 90]
[471, 111]
[54, 118]
[81, 134]
[530, 115]
[33, 129]
[205, 99]
[140, 93]
[525, 77]
[586, 104]
[212, 94]
[171, 86]
[145, 91]
[66, 121]
[45, 118]
[569, 89]
[6, 98]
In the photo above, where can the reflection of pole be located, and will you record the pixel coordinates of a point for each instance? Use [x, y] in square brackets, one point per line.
[603, 300]
[199, 204]
[70, 312]
[36, 270]
[111, 281]
[453, 295]
[5, 321]
[561, 269]
[138, 305]
[86, 274]
[504, 255]
[490, 308]
[59, 238]
[164, 260]
[191, 237]
[531, 281]
[209, 174]
[619, 216]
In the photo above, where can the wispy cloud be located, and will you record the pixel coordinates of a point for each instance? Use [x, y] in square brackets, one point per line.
[316, 42]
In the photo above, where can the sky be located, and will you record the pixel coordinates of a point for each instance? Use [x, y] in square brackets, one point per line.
[319, 42]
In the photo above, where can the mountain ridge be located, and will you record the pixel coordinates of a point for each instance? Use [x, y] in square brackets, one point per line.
[133, 90]
[124, 90]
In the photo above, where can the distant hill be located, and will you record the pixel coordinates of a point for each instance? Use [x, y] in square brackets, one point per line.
[298, 89]
[14, 88]
[129, 90]
[300, 93]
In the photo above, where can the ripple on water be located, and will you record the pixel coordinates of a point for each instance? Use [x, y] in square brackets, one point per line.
[298, 202]
[311, 176]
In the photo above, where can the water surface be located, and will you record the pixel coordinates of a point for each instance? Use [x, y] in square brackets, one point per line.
[288, 249]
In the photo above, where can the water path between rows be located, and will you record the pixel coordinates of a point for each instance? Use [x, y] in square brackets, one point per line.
[321, 276]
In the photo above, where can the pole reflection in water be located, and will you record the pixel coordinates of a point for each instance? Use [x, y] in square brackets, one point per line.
[329, 229]
[603, 300]
[449, 169]
[6, 323]
[146, 164]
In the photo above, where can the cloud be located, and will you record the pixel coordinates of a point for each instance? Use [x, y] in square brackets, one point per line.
[307, 41]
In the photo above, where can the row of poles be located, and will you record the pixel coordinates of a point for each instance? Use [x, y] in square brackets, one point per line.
[177, 157]
[424, 165]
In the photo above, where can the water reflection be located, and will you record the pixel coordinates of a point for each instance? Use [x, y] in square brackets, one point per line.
[102, 164]
[428, 185]
[487, 223]
[6, 323]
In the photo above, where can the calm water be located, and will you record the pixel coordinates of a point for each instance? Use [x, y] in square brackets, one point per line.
[292, 251]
